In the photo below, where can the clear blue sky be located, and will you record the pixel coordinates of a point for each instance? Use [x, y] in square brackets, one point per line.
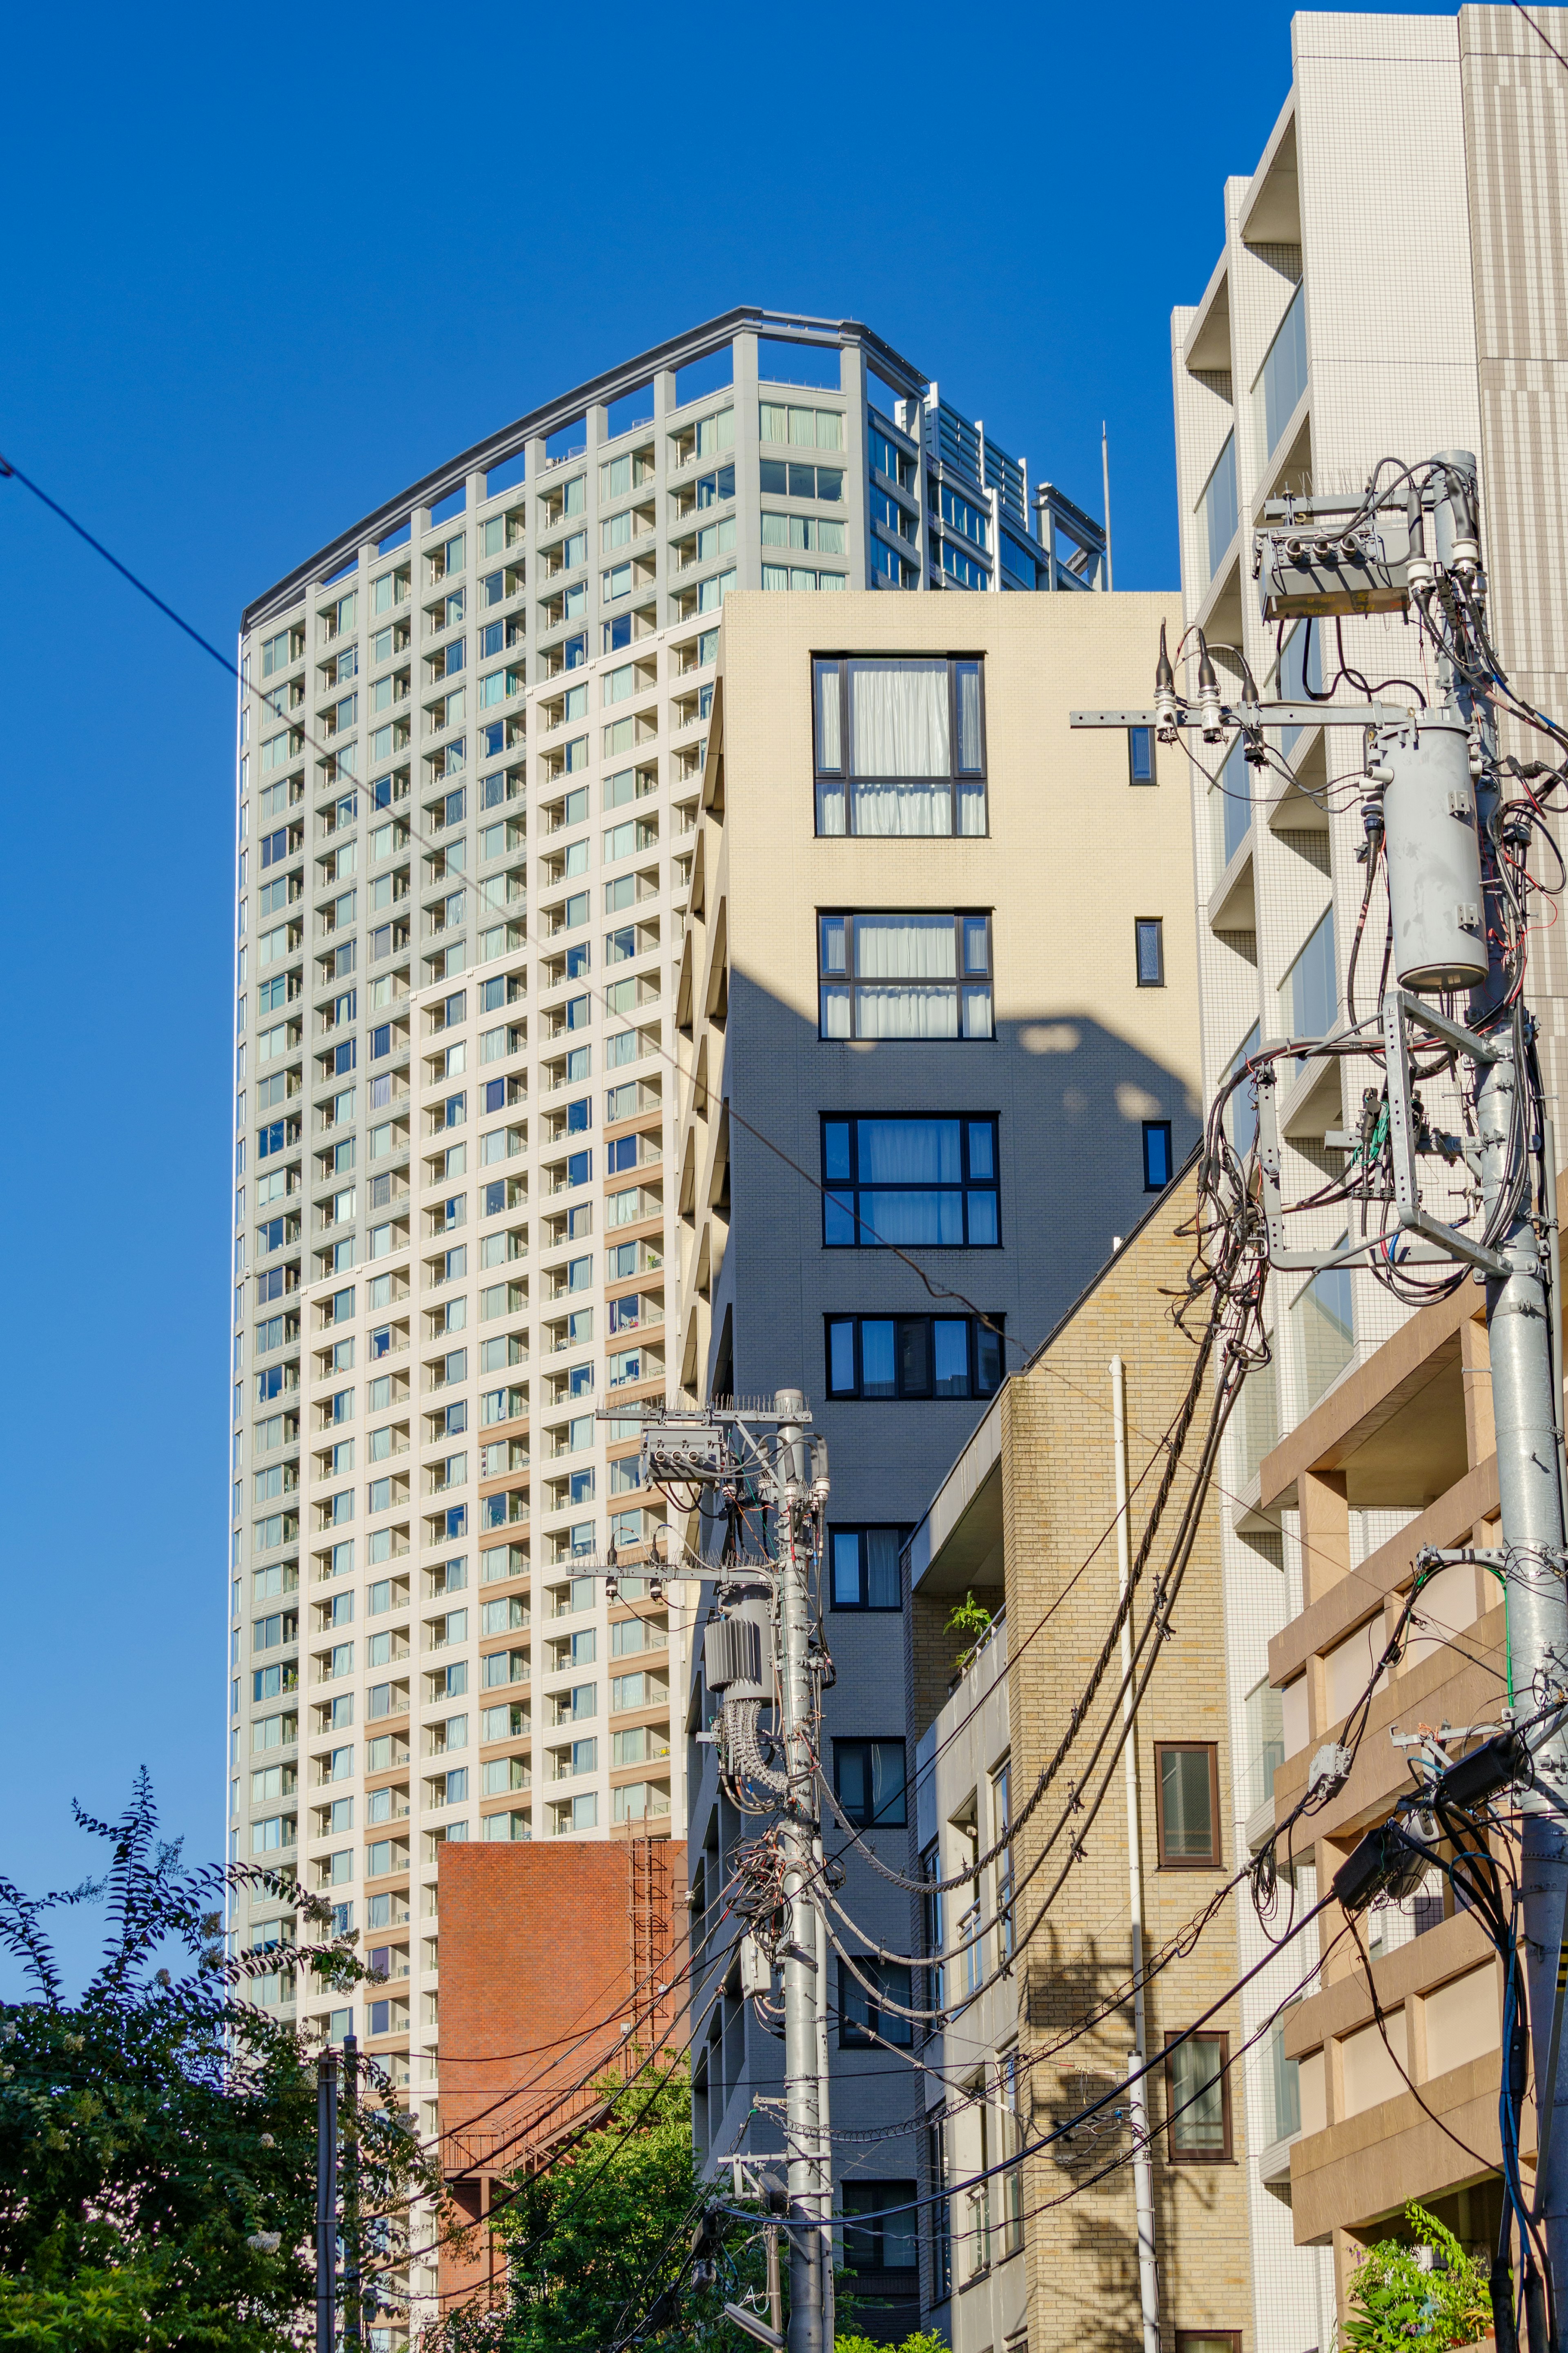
[261, 272]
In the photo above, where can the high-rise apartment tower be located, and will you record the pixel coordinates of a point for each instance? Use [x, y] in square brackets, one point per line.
[471, 741]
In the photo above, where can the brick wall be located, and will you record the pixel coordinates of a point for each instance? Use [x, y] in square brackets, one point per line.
[538, 1981]
[1059, 1507]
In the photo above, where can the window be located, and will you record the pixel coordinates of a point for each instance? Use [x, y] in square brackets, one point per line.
[880, 2220]
[1197, 2099]
[901, 746]
[866, 1567]
[1186, 1774]
[910, 1182]
[1141, 755]
[1309, 994]
[814, 533]
[866, 2011]
[1208, 2340]
[913, 1356]
[1157, 1155]
[904, 976]
[802, 429]
[869, 1779]
[780, 479]
[1149, 937]
[795, 576]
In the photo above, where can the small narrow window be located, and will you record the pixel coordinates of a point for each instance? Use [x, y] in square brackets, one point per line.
[1141, 755]
[1157, 1155]
[1149, 932]
[1187, 1803]
[869, 1781]
[1197, 2099]
[866, 1567]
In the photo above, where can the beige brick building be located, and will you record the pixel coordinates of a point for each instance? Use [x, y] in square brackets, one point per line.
[1025, 1521]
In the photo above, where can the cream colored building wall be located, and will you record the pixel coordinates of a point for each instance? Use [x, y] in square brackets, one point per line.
[1082, 1056]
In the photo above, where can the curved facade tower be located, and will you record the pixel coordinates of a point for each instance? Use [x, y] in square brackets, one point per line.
[470, 747]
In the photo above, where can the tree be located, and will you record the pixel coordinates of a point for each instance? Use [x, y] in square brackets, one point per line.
[601, 2240]
[1399, 2303]
[924, 2340]
[158, 2137]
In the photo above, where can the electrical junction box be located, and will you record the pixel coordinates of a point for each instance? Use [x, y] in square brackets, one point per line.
[669, 1452]
[1312, 567]
[756, 1970]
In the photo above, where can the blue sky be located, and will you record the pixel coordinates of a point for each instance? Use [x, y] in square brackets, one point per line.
[261, 272]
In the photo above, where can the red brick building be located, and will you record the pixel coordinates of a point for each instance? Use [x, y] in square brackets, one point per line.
[553, 1957]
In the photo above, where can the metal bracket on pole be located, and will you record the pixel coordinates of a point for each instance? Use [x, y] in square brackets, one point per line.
[1413, 1218]
[1258, 714]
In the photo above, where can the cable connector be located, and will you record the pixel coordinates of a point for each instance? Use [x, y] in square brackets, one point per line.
[1328, 1771]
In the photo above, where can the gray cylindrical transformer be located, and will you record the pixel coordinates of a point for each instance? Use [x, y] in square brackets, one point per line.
[1433, 851]
[733, 1649]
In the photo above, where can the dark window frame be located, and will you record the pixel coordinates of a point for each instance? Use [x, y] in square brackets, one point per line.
[1213, 1860]
[862, 1528]
[963, 971]
[1141, 923]
[868, 1741]
[1225, 2155]
[841, 1188]
[912, 1397]
[1151, 1128]
[955, 775]
[897, 2196]
[1147, 733]
[879, 2028]
[1188, 2339]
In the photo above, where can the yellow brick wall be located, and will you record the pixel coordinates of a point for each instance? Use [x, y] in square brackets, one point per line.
[1059, 1515]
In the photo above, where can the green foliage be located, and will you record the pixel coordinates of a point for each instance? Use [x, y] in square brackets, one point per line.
[1398, 2305]
[924, 2340]
[972, 1619]
[149, 2130]
[603, 2237]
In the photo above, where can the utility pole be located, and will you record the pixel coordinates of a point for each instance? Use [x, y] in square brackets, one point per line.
[761, 1640]
[327, 2203]
[1433, 810]
[802, 1959]
[353, 2328]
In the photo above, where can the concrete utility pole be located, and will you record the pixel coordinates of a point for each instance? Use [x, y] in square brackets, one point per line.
[1431, 808]
[327, 2203]
[759, 1648]
[804, 2092]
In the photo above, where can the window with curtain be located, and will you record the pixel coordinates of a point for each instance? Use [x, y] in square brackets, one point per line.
[904, 976]
[866, 1567]
[927, 1182]
[868, 1780]
[901, 745]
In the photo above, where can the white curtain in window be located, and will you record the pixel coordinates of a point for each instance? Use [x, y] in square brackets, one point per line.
[913, 1009]
[969, 717]
[971, 808]
[890, 808]
[882, 1587]
[904, 947]
[909, 1152]
[898, 719]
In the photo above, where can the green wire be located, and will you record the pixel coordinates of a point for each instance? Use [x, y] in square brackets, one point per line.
[1502, 1579]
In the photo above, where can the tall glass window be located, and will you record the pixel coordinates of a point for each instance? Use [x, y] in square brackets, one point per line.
[900, 746]
[1282, 379]
[1219, 507]
[1308, 993]
[1323, 1315]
